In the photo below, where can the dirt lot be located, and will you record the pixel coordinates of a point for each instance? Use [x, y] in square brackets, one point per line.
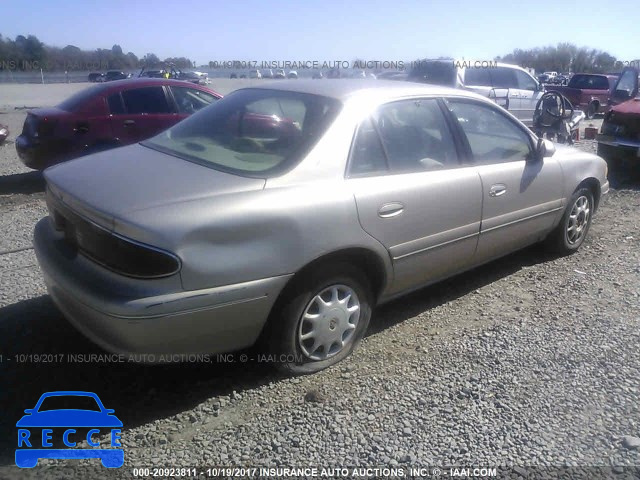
[531, 360]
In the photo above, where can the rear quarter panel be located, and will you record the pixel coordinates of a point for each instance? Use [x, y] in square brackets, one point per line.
[252, 235]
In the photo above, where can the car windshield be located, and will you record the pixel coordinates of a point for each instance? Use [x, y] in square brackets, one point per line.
[251, 132]
[75, 101]
[595, 82]
[68, 402]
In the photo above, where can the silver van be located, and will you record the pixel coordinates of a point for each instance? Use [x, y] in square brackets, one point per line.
[509, 86]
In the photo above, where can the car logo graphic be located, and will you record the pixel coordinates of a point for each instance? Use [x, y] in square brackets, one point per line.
[33, 446]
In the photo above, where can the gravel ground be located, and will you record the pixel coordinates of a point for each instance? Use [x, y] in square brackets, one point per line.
[531, 360]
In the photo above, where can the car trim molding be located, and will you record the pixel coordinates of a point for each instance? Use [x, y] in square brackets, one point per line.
[546, 211]
[399, 252]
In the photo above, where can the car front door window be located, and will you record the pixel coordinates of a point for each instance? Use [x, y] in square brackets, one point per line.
[525, 82]
[190, 100]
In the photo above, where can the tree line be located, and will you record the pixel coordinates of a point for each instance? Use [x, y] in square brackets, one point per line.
[566, 57]
[29, 53]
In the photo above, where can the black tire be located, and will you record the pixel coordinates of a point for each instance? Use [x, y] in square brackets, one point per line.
[560, 240]
[592, 109]
[286, 322]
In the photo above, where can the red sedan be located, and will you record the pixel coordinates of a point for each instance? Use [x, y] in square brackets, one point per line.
[106, 116]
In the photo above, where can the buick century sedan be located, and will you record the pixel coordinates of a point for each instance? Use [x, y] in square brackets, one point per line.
[282, 214]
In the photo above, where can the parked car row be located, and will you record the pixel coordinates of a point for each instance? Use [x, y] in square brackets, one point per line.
[554, 78]
[110, 76]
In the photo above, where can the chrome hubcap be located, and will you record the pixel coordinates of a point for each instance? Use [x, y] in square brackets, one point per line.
[578, 220]
[328, 323]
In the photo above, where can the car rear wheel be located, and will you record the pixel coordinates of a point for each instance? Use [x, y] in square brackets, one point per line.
[321, 319]
[574, 226]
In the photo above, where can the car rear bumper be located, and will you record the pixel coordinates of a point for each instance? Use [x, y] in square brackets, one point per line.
[38, 155]
[29, 153]
[214, 320]
[625, 148]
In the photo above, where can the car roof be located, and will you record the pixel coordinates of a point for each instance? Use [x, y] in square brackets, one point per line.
[344, 88]
[142, 81]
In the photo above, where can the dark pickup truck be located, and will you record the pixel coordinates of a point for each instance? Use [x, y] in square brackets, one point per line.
[588, 92]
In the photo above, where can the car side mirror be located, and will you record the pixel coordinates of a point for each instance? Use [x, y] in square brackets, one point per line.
[109, 411]
[29, 411]
[544, 148]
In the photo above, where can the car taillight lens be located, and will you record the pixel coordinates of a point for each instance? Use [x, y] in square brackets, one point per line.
[110, 250]
[123, 255]
[39, 126]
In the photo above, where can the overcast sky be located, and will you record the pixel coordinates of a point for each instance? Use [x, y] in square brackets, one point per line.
[326, 30]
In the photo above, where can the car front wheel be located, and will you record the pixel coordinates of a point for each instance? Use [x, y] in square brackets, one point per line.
[321, 319]
[572, 230]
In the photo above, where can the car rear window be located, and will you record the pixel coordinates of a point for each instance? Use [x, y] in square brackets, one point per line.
[252, 132]
[593, 82]
[77, 100]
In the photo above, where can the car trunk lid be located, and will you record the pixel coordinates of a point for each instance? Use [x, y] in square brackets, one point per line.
[41, 121]
[110, 184]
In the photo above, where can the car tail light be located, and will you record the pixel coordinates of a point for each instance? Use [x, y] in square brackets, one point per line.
[117, 253]
[39, 126]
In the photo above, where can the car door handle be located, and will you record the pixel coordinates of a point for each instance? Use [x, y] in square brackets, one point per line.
[390, 209]
[497, 190]
[128, 123]
[81, 127]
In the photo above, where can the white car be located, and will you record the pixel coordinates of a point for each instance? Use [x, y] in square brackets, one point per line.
[255, 74]
[509, 86]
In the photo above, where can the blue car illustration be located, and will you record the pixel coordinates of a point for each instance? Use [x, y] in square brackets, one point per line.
[98, 419]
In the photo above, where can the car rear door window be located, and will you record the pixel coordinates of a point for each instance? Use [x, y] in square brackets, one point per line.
[477, 77]
[415, 136]
[493, 138]
[116, 107]
[146, 100]
[190, 100]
